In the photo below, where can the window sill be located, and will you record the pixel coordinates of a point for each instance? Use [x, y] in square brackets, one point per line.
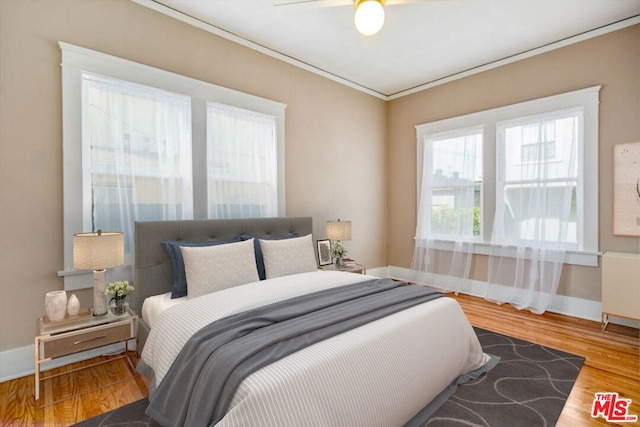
[573, 257]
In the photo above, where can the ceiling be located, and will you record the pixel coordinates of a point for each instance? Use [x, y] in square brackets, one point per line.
[422, 43]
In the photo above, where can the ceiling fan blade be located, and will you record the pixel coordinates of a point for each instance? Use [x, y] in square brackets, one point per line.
[334, 3]
[395, 2]
[312, 3]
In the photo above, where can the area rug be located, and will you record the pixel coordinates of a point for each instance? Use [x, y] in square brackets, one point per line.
[528, 387]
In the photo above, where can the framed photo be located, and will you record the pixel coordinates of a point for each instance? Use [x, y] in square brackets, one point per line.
[324, 252]
[626, 189]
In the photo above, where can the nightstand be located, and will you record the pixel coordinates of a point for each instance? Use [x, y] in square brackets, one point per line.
[81, 333]
[358, 268]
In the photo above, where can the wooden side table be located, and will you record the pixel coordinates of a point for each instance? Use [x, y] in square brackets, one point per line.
[358, 268]
[81, 333]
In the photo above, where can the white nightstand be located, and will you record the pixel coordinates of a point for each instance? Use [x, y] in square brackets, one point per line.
[81, 333]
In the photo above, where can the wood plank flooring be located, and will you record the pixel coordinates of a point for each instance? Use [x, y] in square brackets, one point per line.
[19, 408]
[612, 364]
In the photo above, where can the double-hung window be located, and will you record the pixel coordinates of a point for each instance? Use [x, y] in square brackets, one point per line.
[477, 173]
[241, 163]
[538, 183]
[136, 165]
[452, 183]
[145, 144]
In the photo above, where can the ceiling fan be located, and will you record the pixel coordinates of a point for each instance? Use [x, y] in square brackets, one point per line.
[369, 14]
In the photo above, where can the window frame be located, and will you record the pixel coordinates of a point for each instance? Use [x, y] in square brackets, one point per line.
[501, 167]
[213, 179]
[588, 100]
[427, 148]
[75, 60]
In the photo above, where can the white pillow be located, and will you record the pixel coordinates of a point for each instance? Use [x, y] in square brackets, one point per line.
[213, 268]
[288, 256]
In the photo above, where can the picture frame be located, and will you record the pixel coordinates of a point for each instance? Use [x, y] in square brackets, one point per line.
[626, 189]
[324, 252]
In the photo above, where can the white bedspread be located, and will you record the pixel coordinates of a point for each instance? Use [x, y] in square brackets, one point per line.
[156, 304]
[380, 374]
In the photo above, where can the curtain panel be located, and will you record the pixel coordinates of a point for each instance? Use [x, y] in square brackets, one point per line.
[449, 209]
[137, 161]
[536, 211]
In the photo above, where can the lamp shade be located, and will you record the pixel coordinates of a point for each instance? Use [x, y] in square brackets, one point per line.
[97, 251]
[369, 16]
[339, 230]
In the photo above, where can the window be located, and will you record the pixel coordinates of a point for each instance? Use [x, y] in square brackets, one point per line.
[476, 165]
[453, 160]
[544, 166]
[138, 162]
[145, 144]
[241, 159]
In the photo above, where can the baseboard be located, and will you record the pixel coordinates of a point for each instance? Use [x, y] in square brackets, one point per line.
[378, 272]
[19, 362]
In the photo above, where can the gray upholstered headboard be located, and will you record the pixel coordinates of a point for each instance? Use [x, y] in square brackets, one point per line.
[153, 273]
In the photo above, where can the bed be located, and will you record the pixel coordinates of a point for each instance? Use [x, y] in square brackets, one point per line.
[392, 370]
[153, 273]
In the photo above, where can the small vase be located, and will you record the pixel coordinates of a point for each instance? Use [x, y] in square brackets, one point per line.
[73, 305]
[119, 308]
[55, 305]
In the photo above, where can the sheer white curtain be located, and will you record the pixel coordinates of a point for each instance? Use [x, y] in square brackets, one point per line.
[137, 146]
[536, 214]
[242, 166]
[448, 218]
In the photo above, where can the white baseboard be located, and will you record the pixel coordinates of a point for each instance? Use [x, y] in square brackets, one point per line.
[19, 362]
[378, 272]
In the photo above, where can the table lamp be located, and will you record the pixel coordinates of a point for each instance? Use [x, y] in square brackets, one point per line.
[98, 251]
[337, 231]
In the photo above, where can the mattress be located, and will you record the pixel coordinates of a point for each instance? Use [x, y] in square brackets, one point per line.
[379, 374]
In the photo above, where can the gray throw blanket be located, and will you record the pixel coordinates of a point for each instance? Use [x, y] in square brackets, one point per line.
[203, 379]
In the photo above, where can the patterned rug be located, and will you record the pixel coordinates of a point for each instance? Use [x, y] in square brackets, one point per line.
[528, 387]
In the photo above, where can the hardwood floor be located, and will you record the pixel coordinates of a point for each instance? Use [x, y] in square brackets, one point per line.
[612, 364]
[19, 408]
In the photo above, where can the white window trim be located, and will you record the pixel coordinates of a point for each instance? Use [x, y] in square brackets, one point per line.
[587, 98]
[450, 133]
[76, 59]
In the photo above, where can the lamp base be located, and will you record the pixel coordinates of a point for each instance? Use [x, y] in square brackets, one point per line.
[99, 299]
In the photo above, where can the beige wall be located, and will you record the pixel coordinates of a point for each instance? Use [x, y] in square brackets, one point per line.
[335, 136]
[348, 155]
[611, 60]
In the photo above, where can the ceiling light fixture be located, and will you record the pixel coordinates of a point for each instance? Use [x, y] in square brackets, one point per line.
[369, 16]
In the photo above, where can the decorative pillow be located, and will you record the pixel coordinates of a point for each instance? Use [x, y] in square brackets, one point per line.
[290, 256]
[258, 250]
[213, 268]
[172, 247]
